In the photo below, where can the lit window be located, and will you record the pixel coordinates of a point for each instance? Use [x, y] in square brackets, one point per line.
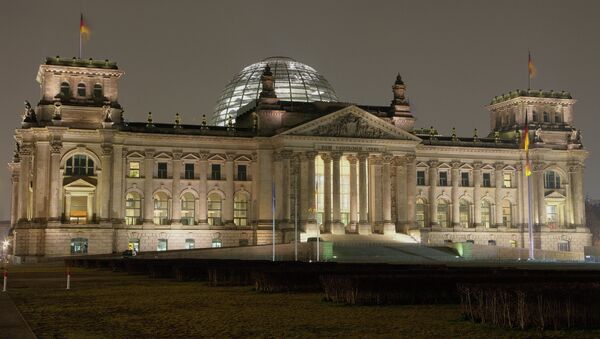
[421, 213]
[133, 208]
[241, 173]
[161, 209]
[464, 179]
[442, 213]
[214, 209]
[134, 245]
[564, 246]
[79, 165]
[215, 173]
[421, 178]
[486, 214]
[240, 209]
[464, 213]
[553, 215]
[217, 243]
[162, 245]
[513, 243]
[188, 209]
[507, 180]
[134, 169]
[506, 213]
[162, 170]
[443, 178]
[487, 180]
[189, 171]
[190, 244]
[79, 246]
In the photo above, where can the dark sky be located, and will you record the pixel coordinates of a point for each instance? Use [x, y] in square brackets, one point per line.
[177, 55]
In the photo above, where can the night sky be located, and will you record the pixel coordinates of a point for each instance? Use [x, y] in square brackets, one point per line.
[177, 56]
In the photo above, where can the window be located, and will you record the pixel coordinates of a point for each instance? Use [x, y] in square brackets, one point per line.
[243, 242]
[241, 173]
[534, 116]
[98, 91]
[464, 213]
[564, 246]
[421, 213]
[188, 209]
[162, 170]
[240, 209]
[507, 180]
[79, 165]
[513, 243]
[486, 214]
[470, 241]
[546, 117]
[133, 208]
[79, 209]
[506, 213]
[162, 245]
[215, 172]
[65, 89]
[217, 243]
[553, 215]
[464, 179]
[442, 213]
[421, 178]
[492, 242]
[188, 171]
[134, 169]
[214, 209]
[161, 209]
[81, 90]
[447, 241]
[443, 178]
[134, 245]
[551, 180]
[79, 246]
[487, 180]
[190, 244]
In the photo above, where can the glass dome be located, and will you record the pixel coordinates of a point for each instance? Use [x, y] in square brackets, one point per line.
[294, 81]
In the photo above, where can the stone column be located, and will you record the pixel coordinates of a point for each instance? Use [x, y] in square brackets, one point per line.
[265, 188]
[386, 192]
[229, 190]
[118, 183]
[176, 187]
[278, 178]
[68, 207]
[401, 196]
[353, 219]
[433, 165]
[455, 178]
[336, 226]
[576, 171]
[477, 193]
[285, 185]
[309, 194]
[411, 191]
[519, 218]
[55, 182]
[15, 167]
[148, 189]
[25, 181]
[498, 176]
[363, 227]
[538, 172]
[327, 192]
[41, 180]
[104, 196]
[202, 191]
[375, 194]
[90, 204]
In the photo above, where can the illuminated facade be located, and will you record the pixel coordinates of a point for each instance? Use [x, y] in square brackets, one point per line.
[86, 181]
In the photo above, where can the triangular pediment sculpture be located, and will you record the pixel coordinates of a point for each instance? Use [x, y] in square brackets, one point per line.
[351, 122]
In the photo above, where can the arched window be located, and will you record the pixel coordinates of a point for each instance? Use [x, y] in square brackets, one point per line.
[188, 209]
[214, 209]
[506, 213]
[421, 213]
[558, 117]
[551, 180]
[240, 209]
[464, 213]
[443, 213]
[486, 214]
[81, 90]
[546, 117]
[133, 208]
[161, 208]
[534, 116]
[65, 89]
[79, 165]
[98, 94]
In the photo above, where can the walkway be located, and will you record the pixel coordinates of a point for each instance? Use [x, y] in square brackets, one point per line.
[12, 324]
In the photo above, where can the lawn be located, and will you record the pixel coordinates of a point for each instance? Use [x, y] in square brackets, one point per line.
[103, 304]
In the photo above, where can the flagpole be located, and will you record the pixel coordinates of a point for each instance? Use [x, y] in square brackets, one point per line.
[80, 43]
[530, 218]
[273, 197]
[528, 70]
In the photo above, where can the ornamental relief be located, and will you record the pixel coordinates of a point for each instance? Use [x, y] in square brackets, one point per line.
[351, 126]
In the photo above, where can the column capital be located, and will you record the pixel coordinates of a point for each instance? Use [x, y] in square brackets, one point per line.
[124, 152]
[336, 156]
[411, 157]
[26, 149]
[286, 154]
[149, 153]
[387, 158]
[399, 161]
[230, 156]
[55, 146]
[499, 166]
[433, 163]
[107, 149]
[352, 159]
[375, 160]
[575, 166]
[326, 157]
[477, 165]
[537, 167]
[177, 154]
[203, 155]
[362, 156]
[455, 164]
[310, 155]
[519, 166]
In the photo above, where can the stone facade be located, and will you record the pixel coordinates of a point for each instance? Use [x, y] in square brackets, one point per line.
[87, 181]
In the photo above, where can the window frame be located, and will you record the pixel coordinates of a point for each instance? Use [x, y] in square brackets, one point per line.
[162, 173]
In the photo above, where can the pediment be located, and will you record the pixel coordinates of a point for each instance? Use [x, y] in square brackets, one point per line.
[79, 182]
[135, 155]
[242, 158]
[351, 122]
[163, 155]
[217, 157]
[190, 156]
[555, 195]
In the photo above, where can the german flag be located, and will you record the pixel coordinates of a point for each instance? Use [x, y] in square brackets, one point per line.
[84, 29]
[531, 67]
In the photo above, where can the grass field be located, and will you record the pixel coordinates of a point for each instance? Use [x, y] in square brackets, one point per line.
[103, 304]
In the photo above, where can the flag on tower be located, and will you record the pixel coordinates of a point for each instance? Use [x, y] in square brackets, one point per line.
[531, 67]
[84, 29]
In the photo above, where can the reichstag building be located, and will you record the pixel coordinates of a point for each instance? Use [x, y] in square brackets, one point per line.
[87, 180]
